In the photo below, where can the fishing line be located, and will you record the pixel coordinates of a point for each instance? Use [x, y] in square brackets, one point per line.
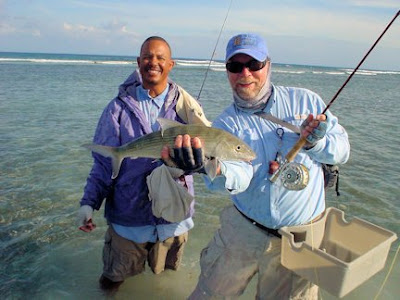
[329, 105]
[387, 275]
[215, 48]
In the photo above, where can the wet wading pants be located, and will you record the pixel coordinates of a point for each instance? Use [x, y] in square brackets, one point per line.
[123, 258]
[240, 250]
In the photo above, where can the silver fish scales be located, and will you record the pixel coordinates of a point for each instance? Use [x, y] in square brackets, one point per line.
[217, 144]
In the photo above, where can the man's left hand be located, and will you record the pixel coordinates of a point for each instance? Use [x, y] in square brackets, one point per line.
[313, 129]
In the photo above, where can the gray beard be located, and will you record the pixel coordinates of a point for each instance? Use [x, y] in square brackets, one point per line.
[259, 102]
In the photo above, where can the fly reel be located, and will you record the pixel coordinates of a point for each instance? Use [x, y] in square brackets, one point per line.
[294, 176]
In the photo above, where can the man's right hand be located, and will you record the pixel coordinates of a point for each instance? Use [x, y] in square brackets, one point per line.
[84, 218]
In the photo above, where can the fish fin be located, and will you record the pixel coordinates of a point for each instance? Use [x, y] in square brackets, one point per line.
[210, 167]
[167, 123]
[108, 151]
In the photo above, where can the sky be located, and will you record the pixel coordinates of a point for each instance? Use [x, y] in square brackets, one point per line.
[334, 33]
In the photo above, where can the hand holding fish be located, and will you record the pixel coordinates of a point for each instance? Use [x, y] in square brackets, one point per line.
[313, 129]
[188, 155]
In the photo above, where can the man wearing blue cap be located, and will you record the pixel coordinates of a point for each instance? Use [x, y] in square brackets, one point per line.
[270, 119]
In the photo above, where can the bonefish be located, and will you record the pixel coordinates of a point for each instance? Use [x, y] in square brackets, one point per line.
[217, 144]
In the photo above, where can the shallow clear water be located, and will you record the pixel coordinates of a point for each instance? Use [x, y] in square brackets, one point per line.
[49, 107]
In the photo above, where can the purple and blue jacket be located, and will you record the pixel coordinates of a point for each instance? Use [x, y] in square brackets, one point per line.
[122, 121]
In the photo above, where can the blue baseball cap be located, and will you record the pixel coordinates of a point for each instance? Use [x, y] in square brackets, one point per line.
[247, 43]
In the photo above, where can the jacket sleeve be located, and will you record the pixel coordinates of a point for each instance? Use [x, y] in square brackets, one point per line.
[99, 183]
[236, 175]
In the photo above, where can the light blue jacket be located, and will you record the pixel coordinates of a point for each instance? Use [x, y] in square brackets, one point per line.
[271, 204]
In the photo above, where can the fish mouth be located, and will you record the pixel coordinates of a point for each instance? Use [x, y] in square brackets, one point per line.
[252, 156]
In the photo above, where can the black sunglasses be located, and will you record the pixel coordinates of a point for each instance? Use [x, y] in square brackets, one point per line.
[253, 65]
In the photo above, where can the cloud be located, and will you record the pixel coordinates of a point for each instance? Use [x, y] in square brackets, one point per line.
[376, 3]
[79, 28]
[113, 28]
[316, 22]
[67, 27]
[119, 28]
[14, 26]
[36, 33]
[6, 28]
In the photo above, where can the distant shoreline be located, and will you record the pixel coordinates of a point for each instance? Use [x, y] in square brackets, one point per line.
[37, 57]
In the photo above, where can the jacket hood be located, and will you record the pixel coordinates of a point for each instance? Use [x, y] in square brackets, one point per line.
[134, 79]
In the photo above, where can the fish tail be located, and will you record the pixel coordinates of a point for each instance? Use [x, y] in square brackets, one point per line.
[108, 151]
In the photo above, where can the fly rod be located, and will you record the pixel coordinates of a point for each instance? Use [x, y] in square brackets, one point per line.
[302, 140]
[361, 62]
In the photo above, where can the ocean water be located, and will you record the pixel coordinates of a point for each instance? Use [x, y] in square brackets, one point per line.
[50, 105]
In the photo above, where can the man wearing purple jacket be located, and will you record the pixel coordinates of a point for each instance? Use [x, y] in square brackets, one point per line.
[135, 235]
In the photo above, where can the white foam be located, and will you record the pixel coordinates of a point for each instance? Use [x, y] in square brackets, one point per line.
[66, 61]
[199, 63]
